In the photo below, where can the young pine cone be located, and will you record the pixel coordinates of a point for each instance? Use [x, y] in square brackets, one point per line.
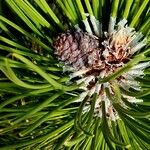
[78, 49]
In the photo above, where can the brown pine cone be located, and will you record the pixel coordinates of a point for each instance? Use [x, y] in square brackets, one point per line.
[75, 48]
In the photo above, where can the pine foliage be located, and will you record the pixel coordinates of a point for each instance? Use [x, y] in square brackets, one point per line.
[39, 107]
